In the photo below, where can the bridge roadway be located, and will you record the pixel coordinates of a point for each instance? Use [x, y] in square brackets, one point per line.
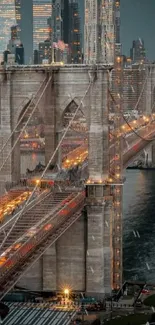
[47, 220]
[37, 229]
[130, 142]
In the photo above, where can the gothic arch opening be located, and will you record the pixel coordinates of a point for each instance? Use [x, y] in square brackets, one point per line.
[79, 124]
[77, 132]
[32, 142]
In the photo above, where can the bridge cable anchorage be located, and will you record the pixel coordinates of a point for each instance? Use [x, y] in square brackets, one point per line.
[128, 123]
[24, 127]
[50, 160]
[22, 117]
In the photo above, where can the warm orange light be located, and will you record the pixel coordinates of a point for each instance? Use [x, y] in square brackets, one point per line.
[38, 181]
[66, 291]
[118, 59]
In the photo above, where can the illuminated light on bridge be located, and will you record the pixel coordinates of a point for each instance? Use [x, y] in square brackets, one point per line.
[66, 291]
[9, 203]
[80, 154]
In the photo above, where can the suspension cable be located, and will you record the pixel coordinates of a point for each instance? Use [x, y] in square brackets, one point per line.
[20, 120]
[126, 121]
[24, 127]
[141, 93]
[49, 162]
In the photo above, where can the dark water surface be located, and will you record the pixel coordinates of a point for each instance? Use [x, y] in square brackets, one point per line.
[139, 215]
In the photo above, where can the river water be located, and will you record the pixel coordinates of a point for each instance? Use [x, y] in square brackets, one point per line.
[139, 216]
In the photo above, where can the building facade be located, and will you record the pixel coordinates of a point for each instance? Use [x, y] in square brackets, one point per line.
[7, 19]
[118, 45]
[74, 34]
[18, 13]
[137, 52]
[42, 10]
[57, 20]
[99, 34]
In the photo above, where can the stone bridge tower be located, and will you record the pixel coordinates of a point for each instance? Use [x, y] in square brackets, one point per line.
[104, 260]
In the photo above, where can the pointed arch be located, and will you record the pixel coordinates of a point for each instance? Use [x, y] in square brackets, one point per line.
[70, 110]
[24, 107]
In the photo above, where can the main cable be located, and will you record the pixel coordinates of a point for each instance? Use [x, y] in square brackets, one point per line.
[48, 164]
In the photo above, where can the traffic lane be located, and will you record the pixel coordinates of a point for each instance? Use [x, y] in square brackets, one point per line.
[23, 314]
[128, 156]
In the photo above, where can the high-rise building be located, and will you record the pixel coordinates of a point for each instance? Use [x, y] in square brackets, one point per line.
[18, 13]
[7, 19]
[15, 49]
[57, 19]
[137, 52]
[66, 29]
[42, 10]
[99, 38]
[74, 35]
[66, 18]
[45, 51]
[118, 45]
[26, 25]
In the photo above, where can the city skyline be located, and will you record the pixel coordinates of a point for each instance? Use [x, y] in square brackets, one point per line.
[137, 20]
[7, 19]
[136, 26]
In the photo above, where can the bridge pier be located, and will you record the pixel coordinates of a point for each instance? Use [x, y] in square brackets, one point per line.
[49, 269]
[99, 198]
[99, 247]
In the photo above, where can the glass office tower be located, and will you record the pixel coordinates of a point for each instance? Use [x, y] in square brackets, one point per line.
[42, 10]
[7, 19]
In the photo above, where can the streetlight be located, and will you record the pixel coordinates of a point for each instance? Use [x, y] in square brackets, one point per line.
[66, 292]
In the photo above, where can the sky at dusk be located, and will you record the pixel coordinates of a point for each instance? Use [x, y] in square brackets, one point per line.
[138, 20]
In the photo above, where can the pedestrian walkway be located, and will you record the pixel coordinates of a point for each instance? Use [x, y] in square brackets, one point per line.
[38, 314]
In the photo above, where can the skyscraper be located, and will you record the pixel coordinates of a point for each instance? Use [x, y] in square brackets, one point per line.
[27, 29]
[118, 46]
[7, 19]
[99, 38]
[42, 10]
[18, 12]
[137, 52]
[57, 19]
[74, 35]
